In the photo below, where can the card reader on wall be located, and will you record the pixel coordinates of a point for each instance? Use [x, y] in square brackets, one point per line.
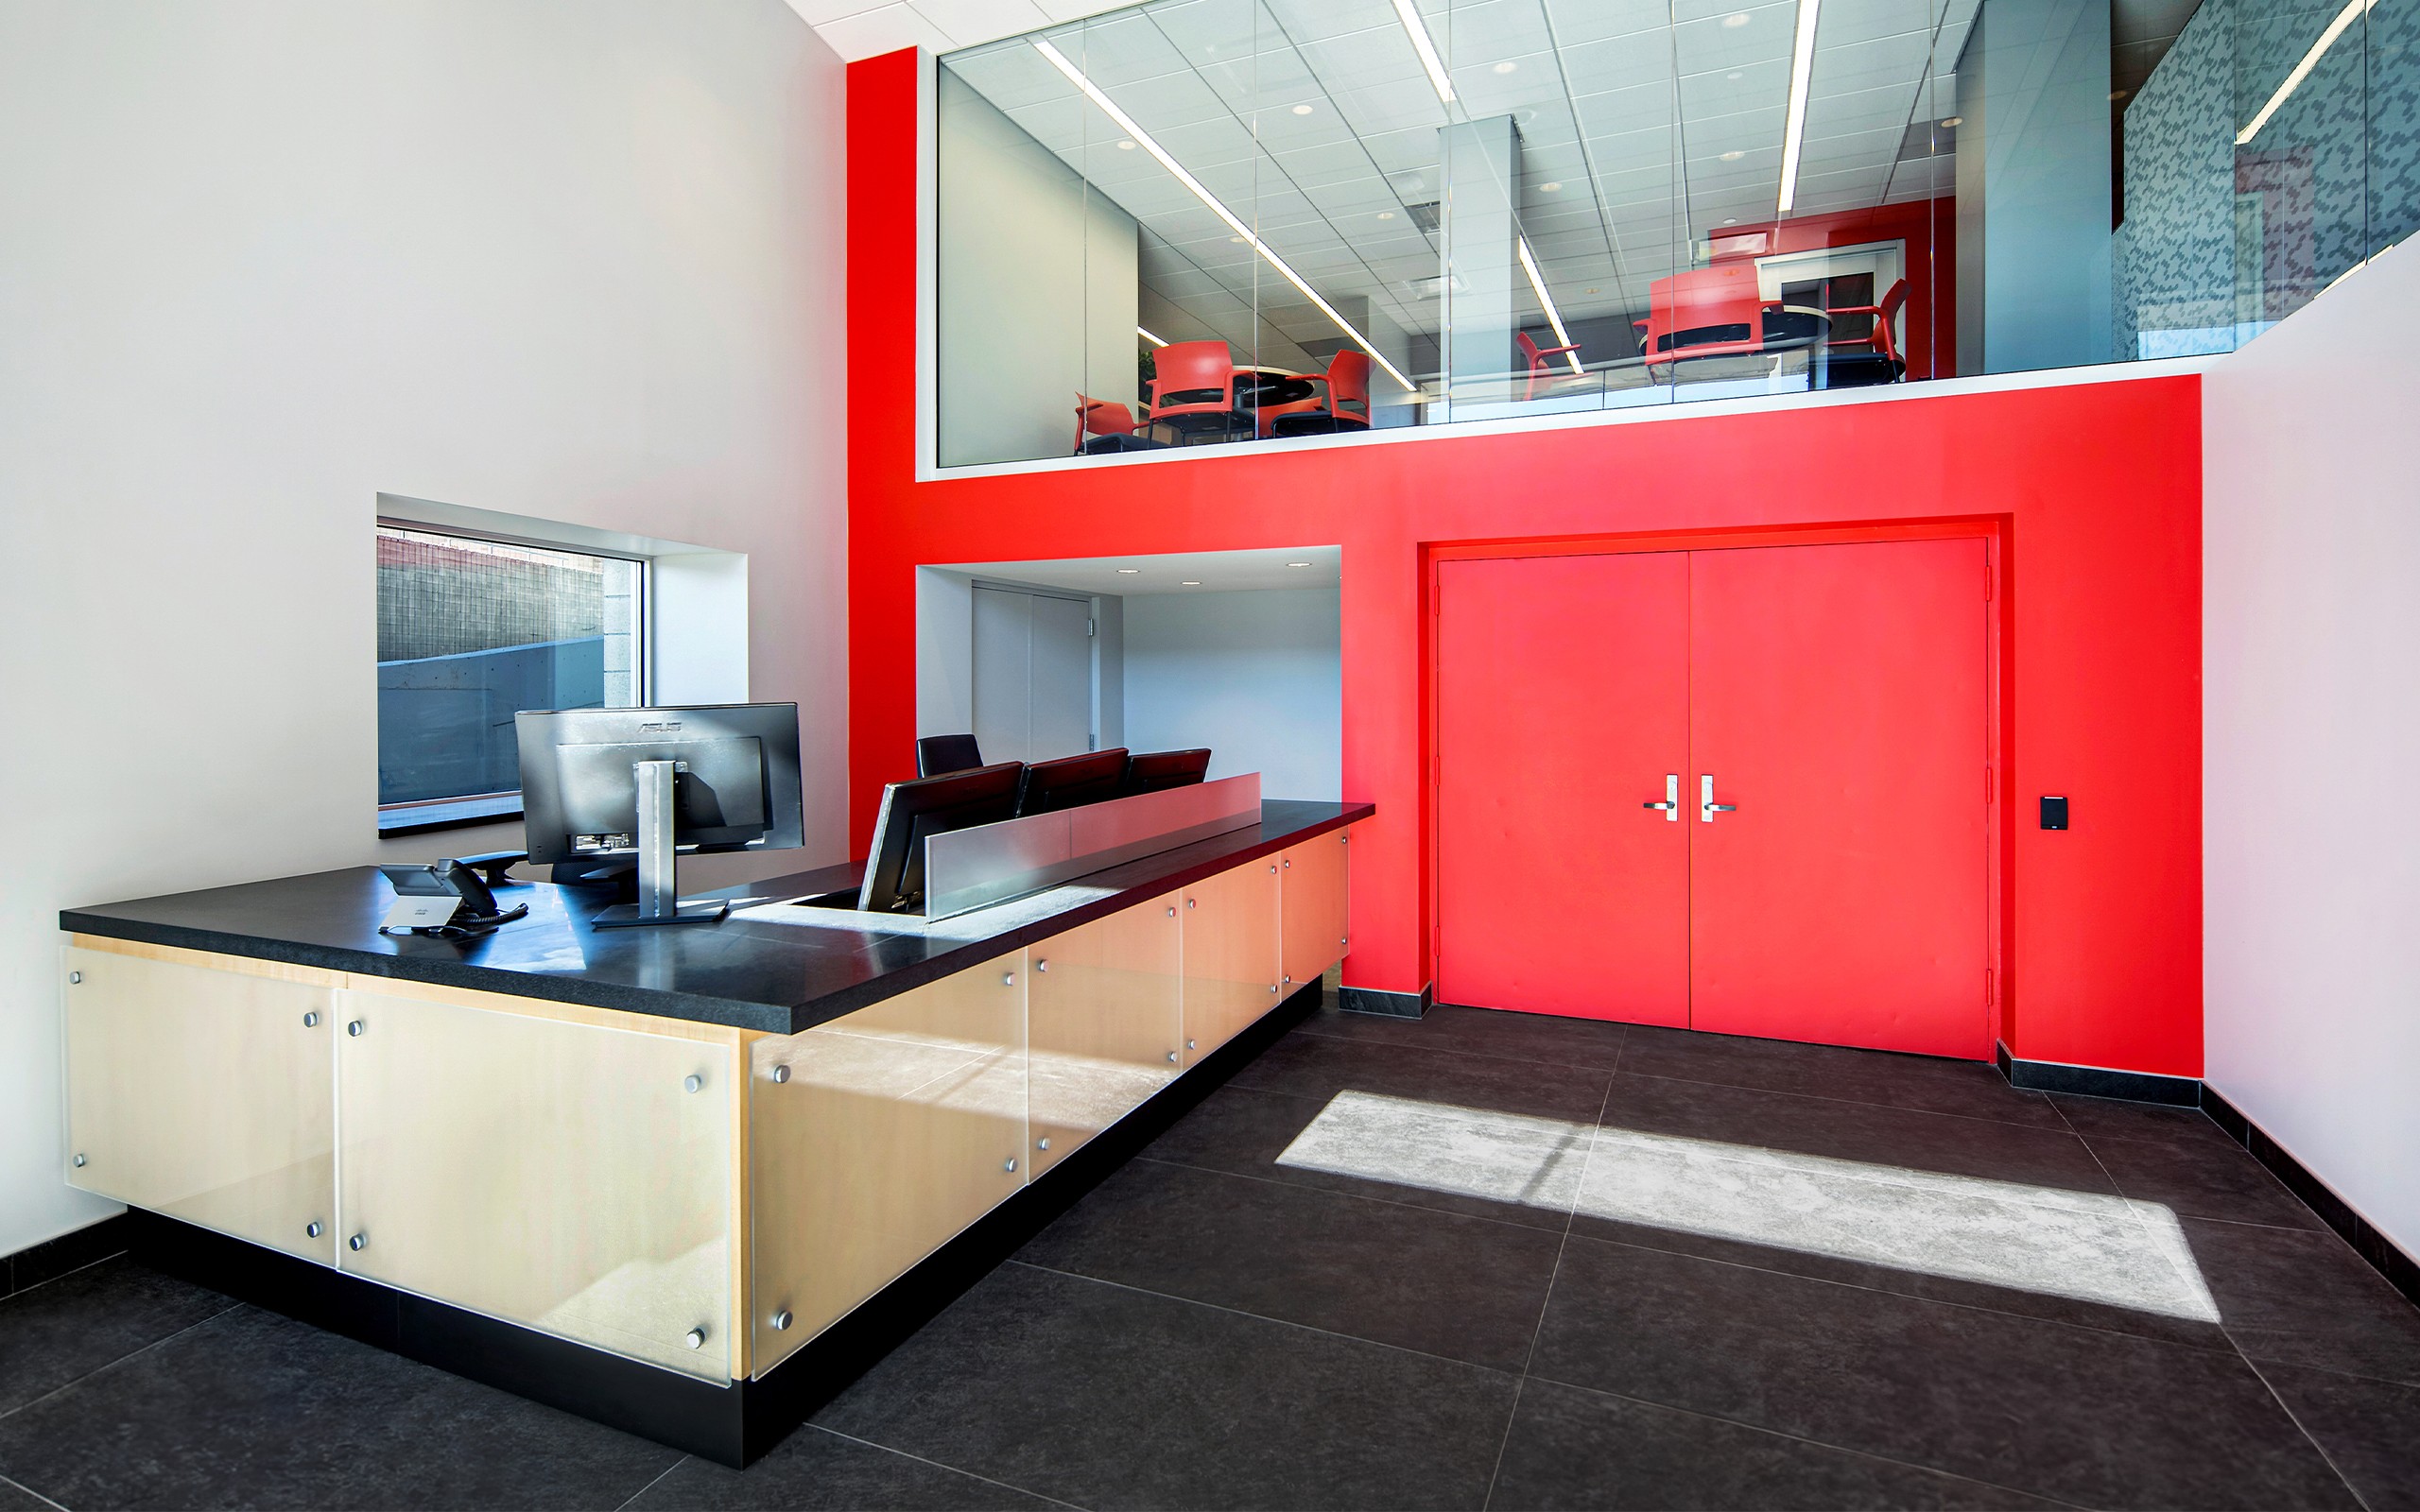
[2054, 812]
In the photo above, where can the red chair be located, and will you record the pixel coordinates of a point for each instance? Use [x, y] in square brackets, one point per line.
[1110, 425]
[1536, 356]
[1881, 343]
[1194, 393]
[1345, 408]
[1709, 312]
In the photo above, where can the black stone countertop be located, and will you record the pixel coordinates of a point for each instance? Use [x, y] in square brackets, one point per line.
[780, 977]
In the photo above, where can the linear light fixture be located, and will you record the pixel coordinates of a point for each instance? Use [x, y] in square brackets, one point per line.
[2344, 18]
[1801, 71]
[1243, 232]
[1426, 49]
[1148, 336]
[1554, 316]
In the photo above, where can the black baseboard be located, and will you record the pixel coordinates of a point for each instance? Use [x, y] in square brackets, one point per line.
[2092, 1081]
[1386, 1004]
[732, 1424]
[2401, 1271]
[54, 1258]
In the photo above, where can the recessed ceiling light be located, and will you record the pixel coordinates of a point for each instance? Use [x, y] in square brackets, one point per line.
[1126, 144]
[1385, 215]
[1298, 564]
[1238, 240]
[1190, 582]
[1587, 291]
[1301, 109]
[1735, 75]
[2117, 94]
[1506, 67]
[1409, 15]
[1953, 120]
[1735, 20]
[1733, 221]
[1129, 571]
[1794, 134]
[1550, 186]
[1732, 156]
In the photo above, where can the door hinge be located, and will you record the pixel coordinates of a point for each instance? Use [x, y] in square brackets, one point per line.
[1987, 987]
[1436, 943]
[1987, 785]
[1092, 627]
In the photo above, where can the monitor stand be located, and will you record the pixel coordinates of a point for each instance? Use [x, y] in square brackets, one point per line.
[659, 863]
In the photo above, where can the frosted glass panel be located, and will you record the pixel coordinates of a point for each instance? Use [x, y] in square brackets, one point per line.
[558, 1175]
[874, 1138]
[204, 1095]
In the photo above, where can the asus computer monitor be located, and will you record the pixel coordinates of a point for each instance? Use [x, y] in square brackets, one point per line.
[914, 812]
[1072, 780]
[738, 787]
[1154, 770]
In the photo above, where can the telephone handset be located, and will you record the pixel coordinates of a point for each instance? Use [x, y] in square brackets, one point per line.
[447, 900]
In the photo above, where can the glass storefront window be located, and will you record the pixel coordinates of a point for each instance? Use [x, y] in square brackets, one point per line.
[1229, 222]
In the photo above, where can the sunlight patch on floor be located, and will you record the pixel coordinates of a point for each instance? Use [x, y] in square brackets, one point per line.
[2087, 1246]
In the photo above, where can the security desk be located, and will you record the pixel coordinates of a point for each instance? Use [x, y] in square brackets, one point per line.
[688, 1181]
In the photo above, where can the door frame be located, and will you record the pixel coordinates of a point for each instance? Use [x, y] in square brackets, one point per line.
[1997, 534]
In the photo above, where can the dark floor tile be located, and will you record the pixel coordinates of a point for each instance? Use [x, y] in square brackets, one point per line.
[2107, 1118]
[1309, 1065]
[2045, 1306]
[2370, 1428]
[814, 1468]
[1243, 1129]
[255, 1410]
[1969, 1088]
[1865, 1132]
[1464, 1288]
[1110, 1397]
[2305, 1298]
[70, 1327]
[1539, 1037]
[2202, 1180]
[1571, 1448]
[2091, 1417]
[16, 1498]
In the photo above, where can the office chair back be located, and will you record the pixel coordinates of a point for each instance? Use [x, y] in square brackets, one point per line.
[939, 754]
[1345, 407]
[1194, 387]
[1537, 357]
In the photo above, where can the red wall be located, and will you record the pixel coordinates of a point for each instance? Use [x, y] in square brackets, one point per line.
[2094, 489]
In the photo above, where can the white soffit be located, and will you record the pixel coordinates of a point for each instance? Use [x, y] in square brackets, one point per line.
[1189, 572]
[868, 28]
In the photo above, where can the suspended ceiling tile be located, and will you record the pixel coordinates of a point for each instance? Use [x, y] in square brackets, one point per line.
[1619, 63]
[1614, 112]
[1586, 20]
[1865, 110]
[1874, 150]
[887, 28]
[1311, 20]
[1852, 21]
[1871, 64]
[1716, 43]
[1632, 151]
[974, 21]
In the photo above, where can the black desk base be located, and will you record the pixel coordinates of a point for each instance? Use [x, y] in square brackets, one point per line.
[732, 1424]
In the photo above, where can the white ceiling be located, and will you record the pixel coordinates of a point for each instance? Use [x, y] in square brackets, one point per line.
[868, 28]
[1192, 572]
[1644, 123]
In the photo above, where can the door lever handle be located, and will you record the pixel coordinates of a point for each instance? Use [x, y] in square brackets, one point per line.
[1672, 804]
[1708, 807]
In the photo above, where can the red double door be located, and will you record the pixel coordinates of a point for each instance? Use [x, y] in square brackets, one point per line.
[1818, 716]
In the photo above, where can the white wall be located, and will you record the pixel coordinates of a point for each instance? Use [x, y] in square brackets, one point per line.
[1037, 286]
[2311, 709]
[260, 260]
[1256, 677]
